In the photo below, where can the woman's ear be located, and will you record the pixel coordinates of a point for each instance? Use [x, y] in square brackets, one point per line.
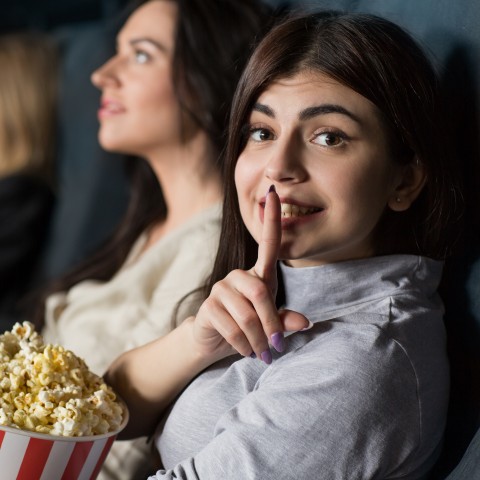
[410, 185]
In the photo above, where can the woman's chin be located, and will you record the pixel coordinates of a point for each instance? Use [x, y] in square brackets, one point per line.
[112, 145]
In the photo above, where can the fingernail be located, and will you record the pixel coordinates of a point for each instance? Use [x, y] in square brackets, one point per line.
[278, 341]
[252, 355]
[266, 356]
[271, 189]
[308, 327]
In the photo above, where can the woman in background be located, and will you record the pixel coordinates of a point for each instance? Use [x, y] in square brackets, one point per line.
[166, 98]
[28, 89]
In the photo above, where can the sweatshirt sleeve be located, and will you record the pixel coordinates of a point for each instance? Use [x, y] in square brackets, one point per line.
[338, 414]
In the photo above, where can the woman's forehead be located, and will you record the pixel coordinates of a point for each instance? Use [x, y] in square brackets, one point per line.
[309, 88]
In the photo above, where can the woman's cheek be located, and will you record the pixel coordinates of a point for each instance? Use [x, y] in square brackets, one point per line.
[248, 179]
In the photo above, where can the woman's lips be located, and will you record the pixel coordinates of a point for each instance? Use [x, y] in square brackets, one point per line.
[109, 108]
[290, 210]
[294, 213]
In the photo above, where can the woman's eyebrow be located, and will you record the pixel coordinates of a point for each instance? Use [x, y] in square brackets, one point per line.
[310, 112]
[325, 109]
[260, 107]
[153, 42]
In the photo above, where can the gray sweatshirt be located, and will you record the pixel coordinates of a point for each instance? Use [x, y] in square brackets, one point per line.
[362, 395]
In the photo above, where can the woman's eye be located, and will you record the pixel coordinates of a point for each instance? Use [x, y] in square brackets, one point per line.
[260, 134]
[329, 139]
[141, 57]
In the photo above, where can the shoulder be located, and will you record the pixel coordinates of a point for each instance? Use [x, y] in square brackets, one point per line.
[355, 360]
[23, 183]
[26, 204]
[201, 233]
[354, 389]
[208, 221]
[25, 190]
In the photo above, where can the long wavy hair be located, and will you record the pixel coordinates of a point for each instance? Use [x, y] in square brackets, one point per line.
[28, 99]
[380, 61]
[213, 41]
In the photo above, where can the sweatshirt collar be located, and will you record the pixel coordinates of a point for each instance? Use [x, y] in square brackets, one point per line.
[328, 291]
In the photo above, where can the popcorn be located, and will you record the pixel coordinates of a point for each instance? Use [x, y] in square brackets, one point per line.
[48, 389]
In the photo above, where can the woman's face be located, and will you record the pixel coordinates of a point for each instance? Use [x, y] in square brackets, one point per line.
[139, 112]
[324, 148]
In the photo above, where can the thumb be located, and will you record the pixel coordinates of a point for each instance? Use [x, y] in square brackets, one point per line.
[294, 321]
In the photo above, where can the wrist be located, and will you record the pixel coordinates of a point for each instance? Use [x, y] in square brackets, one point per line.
[202, 354]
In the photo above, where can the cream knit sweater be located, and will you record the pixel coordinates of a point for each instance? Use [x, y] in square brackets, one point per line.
[100, 320]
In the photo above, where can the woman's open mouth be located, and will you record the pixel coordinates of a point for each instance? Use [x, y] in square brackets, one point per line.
[290, 210]
[293, 214]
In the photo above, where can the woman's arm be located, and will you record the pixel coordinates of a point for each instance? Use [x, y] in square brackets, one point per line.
[148, 378]
[340, 405]
[238, 316]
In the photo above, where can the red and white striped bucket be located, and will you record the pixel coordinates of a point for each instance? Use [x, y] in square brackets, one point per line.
[28, 455]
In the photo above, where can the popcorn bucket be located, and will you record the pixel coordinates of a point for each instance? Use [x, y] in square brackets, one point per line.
[26, 455]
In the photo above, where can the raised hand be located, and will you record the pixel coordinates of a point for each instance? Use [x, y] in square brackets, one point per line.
[240, 314]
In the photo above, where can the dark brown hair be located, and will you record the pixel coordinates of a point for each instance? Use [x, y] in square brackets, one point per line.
[213, 40]
[383, 63]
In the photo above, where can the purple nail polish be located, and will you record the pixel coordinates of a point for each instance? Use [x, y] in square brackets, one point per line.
[252, 355]
[266, 356]
[278, 342]
[271, 189]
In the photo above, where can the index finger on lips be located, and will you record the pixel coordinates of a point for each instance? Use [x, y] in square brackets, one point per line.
[266, 268]
[269, 246]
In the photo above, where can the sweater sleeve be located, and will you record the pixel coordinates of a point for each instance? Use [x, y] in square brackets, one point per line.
[333, 413]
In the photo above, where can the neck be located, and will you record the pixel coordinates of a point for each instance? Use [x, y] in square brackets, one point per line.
[190, 183]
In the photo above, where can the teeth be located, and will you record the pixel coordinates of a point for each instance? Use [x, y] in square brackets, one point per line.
[289, 210]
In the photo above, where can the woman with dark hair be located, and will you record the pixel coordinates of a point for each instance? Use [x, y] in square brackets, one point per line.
[338, 119]
[166, 97]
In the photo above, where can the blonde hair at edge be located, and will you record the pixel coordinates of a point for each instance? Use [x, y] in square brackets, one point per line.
[28, 89]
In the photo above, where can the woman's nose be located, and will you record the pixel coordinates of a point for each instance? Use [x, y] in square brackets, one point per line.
[285, 163]
[105, 75]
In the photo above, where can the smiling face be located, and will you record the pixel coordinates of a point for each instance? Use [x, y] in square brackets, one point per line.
[324, 148]
[139, 111]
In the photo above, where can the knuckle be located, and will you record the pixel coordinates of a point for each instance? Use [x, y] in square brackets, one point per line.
[234, 274]
[259, 292]
[271, 321]
[247, 319]
[210, 303]
[217, 289]
[211, 307]
[234, 337]
[270, 240]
